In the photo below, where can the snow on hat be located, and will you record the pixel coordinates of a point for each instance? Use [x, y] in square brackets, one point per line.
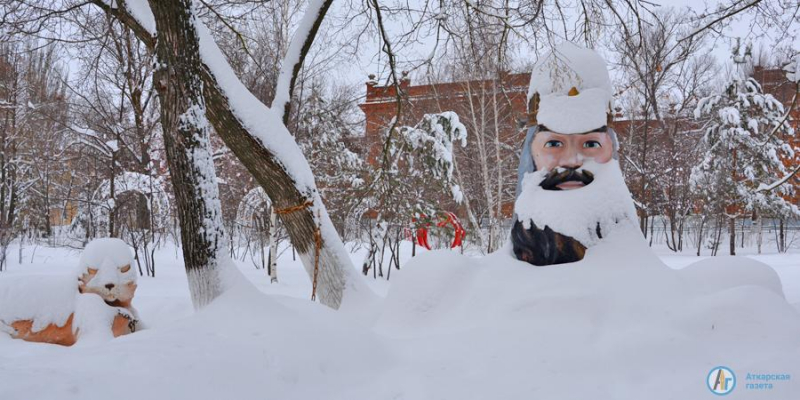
[570, 90]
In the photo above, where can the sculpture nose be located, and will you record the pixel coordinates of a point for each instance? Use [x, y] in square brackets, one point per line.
[109, 286]
[571, 159]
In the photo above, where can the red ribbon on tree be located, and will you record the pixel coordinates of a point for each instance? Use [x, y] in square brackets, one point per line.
[448, 219]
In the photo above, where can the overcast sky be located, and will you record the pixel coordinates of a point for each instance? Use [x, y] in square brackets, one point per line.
[355, 71]
[352, 69]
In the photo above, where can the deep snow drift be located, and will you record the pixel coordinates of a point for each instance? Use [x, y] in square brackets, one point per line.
[617, 325]
[614, 326]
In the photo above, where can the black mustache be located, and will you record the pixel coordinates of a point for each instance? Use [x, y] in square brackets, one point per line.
[555, 178]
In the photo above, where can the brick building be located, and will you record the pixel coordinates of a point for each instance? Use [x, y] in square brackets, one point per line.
[774, 82]
[380, 105]
[488, 108]
[468, 98]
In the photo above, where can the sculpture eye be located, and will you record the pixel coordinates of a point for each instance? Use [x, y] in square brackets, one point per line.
[92, 271]
[125, 269]
[592, 144]
[553, 143]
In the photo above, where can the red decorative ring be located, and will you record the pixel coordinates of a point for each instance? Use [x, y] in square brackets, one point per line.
[450, 219]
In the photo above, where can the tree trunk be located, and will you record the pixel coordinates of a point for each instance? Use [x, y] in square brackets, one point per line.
[743, 235]
[759, 235]
[717, 238]
[700, 235]
[112, 195]
[681, 226]
[413, 244]
[273, 246]
[499, 160]
[308, 217]
[476, 226]
[186, 140]
[732, 234]
[182, 75]
[365, 266]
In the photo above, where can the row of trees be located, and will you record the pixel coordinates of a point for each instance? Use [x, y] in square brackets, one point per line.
[75, 153]
[699, 140]
[228, 96]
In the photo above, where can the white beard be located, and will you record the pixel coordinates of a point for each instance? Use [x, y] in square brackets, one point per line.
[605, 203]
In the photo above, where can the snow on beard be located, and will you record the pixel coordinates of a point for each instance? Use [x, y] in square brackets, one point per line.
[586, 214]
[106, 269]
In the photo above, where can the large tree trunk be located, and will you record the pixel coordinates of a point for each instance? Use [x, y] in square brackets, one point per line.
[324, 261]
[183, 75]
[299, 205]
[187, 144]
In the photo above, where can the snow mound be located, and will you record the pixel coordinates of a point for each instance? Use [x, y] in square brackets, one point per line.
[576, 213]
[724, 272]
[620, 322]
[617, 325]
[244, 345]
[45, 299]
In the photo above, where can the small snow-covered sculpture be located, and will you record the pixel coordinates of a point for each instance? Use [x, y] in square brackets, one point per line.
[52, 309]
[570, 190]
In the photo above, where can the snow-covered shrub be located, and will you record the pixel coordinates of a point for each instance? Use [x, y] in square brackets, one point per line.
[745, 145]
[326, 134]
[412, 178]
[415, 171]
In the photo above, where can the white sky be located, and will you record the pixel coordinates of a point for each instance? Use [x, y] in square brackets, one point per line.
[355, 71]
[347, 69]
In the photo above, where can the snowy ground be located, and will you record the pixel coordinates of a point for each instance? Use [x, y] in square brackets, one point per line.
[787, 266]
[453, 328]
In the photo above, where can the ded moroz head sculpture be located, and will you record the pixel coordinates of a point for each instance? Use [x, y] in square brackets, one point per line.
[570, 190]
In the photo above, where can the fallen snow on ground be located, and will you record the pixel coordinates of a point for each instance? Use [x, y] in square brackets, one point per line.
[53, 306]
[618, 325]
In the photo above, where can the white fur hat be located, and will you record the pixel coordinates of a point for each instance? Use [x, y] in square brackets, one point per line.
[570, 90]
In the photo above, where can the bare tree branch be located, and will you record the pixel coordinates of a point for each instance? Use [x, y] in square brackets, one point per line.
[296, 54]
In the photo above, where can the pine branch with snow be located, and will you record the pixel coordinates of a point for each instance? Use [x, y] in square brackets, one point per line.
[744, 145]
[431, 143]
[419, 176]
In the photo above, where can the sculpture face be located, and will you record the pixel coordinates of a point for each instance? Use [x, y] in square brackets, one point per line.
[116, 285]
[552, 150]
[105, 269]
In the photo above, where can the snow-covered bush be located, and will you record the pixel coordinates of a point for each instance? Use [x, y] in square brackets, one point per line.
[745, 145]
[412, 177]
[431, 143]
[415, 170]
[326, 135]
